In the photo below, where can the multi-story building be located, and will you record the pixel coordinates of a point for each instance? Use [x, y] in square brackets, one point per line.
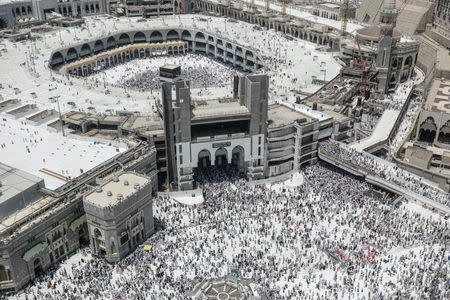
[413, 18]
[440, 30]
[28, 12]
[331, 11]
[383, 46]
[144, 8]
[119, 214]
[215, 132]
[42, 233]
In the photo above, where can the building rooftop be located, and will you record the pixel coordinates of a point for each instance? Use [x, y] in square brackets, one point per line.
[170, 67]
[280, 115]
[217, 108]
[330, 5]
[151, 125]
[14, 181]
[337, 116]
[117, 189]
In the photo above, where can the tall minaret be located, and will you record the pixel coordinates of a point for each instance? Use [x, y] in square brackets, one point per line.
[388, 15]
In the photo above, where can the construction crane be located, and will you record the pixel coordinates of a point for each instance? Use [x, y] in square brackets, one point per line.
[361, 62]
[344, 10]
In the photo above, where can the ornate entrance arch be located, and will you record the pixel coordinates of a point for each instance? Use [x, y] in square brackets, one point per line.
[37, 267]
[204, 159]
[221, 157]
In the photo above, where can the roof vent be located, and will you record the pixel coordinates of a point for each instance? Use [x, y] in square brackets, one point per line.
[99, 189]
[126, 182]
[137, 186]
[116, 179]
[109, 193]
[119, 197]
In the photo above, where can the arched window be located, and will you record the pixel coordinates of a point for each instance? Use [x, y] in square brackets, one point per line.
[97, 233]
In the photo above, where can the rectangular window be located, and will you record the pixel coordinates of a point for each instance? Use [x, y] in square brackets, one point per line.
[259, 140]
[259, 151]
[181, 159]
[180, 148]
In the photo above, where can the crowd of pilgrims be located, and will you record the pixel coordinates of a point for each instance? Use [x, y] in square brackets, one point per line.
[385, 170]
[143, 74]
[328, 238]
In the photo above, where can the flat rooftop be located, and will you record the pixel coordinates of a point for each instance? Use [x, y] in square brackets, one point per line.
[439, 96]
[330, 5]
[170, 67]
[337, 116]
[206, 109]
[281, 115]
[14, 181]
[116, 190]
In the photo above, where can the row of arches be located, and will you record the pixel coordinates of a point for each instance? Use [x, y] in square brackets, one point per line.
[197, 42]
[113, 58]
[398, 63]
[298, 31]
[22, 11]
[326, 14]
[221, 157]
[428, 131]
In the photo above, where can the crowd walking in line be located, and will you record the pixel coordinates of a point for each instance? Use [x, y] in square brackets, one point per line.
[385, 170]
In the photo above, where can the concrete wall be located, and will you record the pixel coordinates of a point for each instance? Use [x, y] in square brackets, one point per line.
[426, 60]
[38, 227]
[115, 222]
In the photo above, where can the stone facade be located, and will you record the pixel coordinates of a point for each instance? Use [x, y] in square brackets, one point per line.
[440, 30]
[321, 35]
[414, 17]
[143, 8]
[331, 11]
[193, 40]
[46, 231]
[189, 145]
[119, 214]
[28, 12]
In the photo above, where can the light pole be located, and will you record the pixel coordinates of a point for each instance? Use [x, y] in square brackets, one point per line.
[60, 117]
